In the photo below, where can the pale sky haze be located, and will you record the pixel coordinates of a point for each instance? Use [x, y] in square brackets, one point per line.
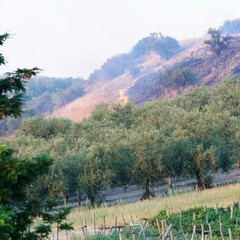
[74, 37]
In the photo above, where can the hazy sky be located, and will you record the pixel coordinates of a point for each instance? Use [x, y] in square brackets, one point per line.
[74, 37]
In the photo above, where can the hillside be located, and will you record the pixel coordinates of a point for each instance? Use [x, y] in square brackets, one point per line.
[152, 78]
[156, 67]
[209, 69]
[110, 91]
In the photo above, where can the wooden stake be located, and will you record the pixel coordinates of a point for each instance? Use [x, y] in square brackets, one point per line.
[120, 236]
[94, 223]
[134, 236]
[158, 226]
[194, 232]
[124, 222]
[165, 224]
[216, 208]
[85, 224]
[202, 230]
[104, 223]
[142, 226]
[162, 229]
[221, 230]
[231, 209]
[230, 234]
[180, 216]
[168, 230]
[115, 223]
[210, 230]
[133, 223]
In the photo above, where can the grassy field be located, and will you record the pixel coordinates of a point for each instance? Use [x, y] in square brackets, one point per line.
[224, 196]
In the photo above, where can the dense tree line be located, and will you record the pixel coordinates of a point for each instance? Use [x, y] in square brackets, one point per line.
[193, 135]
[42, 96]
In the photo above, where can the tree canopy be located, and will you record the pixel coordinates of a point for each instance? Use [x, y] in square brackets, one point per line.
[193, 135]
[17, 209]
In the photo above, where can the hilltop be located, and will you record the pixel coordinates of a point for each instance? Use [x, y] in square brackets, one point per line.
[148, 71]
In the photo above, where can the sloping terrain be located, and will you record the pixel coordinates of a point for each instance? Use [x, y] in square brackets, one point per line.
[150, 80]
[100, 92]
[209, 68]
[111, 91]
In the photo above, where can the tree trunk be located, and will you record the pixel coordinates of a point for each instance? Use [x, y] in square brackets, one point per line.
[147, 194]
[199, 181]
[91, 198]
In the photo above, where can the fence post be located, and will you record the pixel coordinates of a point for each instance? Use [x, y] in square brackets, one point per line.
[133, 223]
[124, 222]
[120, 236]
[162, 229]
[202, 230]
[231, 209]
[134, 236]
[85, 224]
[210, 230]
[194, 231]
[104, 223]
[94, 223]
[168, 230]
[115, 223]
[230, 234]
[216, 208]
[158, 226]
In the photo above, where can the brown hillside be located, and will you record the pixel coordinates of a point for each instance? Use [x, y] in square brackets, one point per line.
[107, 92]
[146, 85]
[110, 91]
[209, 68]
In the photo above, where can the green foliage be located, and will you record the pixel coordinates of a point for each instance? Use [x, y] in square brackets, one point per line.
[15, 174]
[43, 95]
[3, 38]
[166, 47]
[199, 215]
[95, 173]
[46, 128]
[193, 135]
[182, 77]
[217, 41]
[17, 211]
[12, 89]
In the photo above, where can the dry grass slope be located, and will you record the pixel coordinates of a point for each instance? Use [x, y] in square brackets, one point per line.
[224, 196]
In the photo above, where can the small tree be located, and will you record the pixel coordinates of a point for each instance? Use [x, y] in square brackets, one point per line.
[181, 77]
[147, 167]
[217, 42]
[12, 87]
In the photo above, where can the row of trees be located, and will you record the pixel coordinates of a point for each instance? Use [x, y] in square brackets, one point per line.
[43, 95]
[193, 135]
